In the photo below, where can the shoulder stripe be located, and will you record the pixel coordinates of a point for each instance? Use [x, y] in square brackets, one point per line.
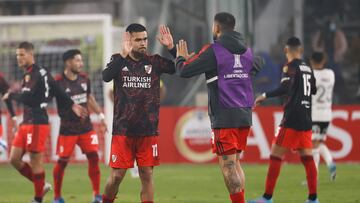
[284, 79]
[205, 47]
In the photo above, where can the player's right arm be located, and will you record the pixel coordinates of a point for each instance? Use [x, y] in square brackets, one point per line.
[117, 61]
[113, 68]
[188, 65]
[62, 98]
[28, 94]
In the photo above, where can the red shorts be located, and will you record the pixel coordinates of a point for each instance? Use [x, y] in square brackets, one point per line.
[88, 142]
[32, 138]
[293, 139]
[228, 141]
[124, 150]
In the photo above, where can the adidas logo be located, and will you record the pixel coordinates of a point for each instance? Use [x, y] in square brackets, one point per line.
[125, 69]
[67, 90]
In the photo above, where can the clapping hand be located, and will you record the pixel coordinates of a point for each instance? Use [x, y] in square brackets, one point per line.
[165, 38]
[126, 46]
[182, 50]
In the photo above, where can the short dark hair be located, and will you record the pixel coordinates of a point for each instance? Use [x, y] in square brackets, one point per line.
[225, 20]
[317, 57]
[135, 27]
[70, 54]
[293, 42]
[28, 46]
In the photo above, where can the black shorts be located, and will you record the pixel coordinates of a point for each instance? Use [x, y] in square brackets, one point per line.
[319, 130]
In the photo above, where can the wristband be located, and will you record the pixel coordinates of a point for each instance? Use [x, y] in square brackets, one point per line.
[101, 116]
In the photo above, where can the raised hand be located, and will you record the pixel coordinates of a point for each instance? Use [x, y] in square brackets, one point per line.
[182, 50]
[126, 46]
[165, 38]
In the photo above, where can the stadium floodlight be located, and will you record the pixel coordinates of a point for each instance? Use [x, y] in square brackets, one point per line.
[52, 35]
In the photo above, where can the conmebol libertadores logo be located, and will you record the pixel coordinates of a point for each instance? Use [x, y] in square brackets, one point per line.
[193, 136]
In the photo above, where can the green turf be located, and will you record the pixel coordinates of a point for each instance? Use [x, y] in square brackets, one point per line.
[190, 184]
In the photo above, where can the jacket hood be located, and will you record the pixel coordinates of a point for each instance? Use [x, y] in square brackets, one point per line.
[233, 41]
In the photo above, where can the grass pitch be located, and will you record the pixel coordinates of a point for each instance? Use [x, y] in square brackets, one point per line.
[190, 184]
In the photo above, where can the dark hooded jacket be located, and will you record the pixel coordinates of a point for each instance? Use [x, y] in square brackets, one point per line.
[205, 62]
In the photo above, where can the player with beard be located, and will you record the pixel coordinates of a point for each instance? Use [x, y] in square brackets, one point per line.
[76, 131]
[136, 77]
[4, 88]
[297, 84]
[38, 87]
[228, 65]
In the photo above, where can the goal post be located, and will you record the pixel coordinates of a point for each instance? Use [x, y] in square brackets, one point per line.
[52, 35]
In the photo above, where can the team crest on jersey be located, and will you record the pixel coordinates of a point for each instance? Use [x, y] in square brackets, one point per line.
[84, 86]
[27, 78]
[148, 68]
[113, 158]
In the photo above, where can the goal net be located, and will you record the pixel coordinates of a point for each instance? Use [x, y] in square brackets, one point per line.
[52, 35]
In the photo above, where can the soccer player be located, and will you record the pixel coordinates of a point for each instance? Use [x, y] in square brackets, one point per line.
[321, 110]
[4, 87]
[37, 88]
[136, 77]
[228, 65]
[298, 84]
[74, 130]
[134, 172]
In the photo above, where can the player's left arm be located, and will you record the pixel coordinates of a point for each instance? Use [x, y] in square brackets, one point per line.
[165, 65]
[94, 106]
[313, 83]
[188, 65]
[166, 39]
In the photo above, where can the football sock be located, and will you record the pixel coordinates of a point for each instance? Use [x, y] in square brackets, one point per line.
[316, 155]
[94, 171]
[58, 175]
[107, 200]
[272, 175]
[39, 182]
[237, 197]
[26, 171]
[311, 173]
[325, 154]
[38, 199]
